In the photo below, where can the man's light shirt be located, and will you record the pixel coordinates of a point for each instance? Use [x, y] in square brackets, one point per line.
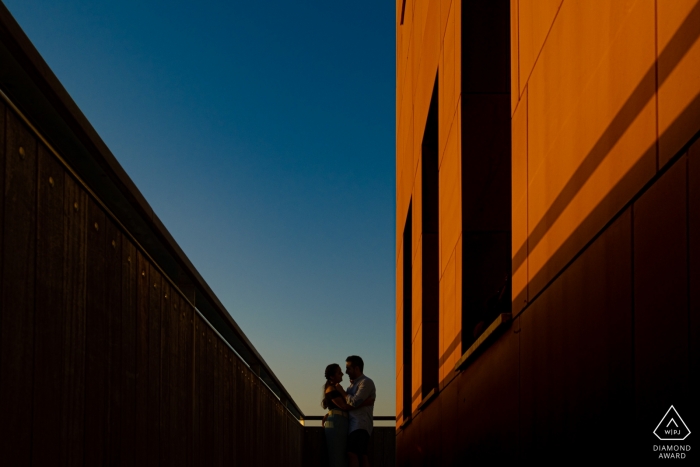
[359, 391]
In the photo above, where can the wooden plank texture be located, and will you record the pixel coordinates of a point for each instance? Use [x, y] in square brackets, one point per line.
[142, 367]
[130, 279]
[75, 219]
[50, 311]
[96, 333]
[154, 366]
[18, 282]
[185, 401]
[113, 307]
[102, 361]
[199, 451]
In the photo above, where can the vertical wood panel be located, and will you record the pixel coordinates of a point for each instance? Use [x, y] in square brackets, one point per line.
[97, 335]
[113, 309]
[50, 311]
[196, 382]
[142, 303]
[75, 211]
[264, 426]
[130, 279]
[18, 282]
[226, 405]
[213, 400]
[233, 443]
[103, 366]
[154, 366]
[100, 359]
[199, 453]
[217, 447]
[204, 397]
[257, 417]
[240, 410]
[168, 407]
[248, 418]
[210, 401]
[186, 401]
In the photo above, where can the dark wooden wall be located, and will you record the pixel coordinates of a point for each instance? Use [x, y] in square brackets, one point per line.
[102, 362]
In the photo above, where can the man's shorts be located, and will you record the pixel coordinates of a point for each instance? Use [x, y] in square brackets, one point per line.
[357, 442]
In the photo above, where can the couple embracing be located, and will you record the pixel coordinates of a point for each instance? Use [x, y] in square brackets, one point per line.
[348, 423]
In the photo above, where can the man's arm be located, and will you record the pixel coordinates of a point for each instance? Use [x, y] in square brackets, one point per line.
[365, 389]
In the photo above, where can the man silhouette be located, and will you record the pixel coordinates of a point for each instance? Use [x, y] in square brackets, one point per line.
[360, 389]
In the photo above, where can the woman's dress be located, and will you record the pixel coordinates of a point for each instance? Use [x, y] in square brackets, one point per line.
[336, 430]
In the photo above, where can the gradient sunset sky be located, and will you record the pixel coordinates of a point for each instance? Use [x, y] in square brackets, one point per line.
[262, 134]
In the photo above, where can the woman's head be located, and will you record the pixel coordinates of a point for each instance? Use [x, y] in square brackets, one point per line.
[334, 375]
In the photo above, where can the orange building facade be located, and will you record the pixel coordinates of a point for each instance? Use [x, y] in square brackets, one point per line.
[548, 207]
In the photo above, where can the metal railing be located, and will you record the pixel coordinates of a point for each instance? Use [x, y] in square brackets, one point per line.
[376, 417]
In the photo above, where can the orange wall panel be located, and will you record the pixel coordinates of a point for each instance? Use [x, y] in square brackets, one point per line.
[458, 52]
[447, 83]
[458, 297]
[445, 7]
[535, 18]
[417, 213]
[604, 94]
[448, 312]
[450, 199]
[678, 74]
[399, 395]
[519, 203]
[429, 40]
[417, 307]
[586, 131]
[441, 327]
[417, 367]
[426, 66]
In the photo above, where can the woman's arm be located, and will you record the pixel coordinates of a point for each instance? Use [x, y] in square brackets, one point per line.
[340, 402]
[342, 405]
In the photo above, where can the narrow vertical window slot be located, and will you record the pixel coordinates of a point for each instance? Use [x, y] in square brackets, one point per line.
[430, 249]
[486, 166]
[407, 314]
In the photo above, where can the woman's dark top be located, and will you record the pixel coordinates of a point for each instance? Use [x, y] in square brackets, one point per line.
[329, 399]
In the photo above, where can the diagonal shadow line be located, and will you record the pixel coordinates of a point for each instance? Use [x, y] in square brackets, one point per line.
[450, 349]
[589, 223]
[417, 393]
[675, 50]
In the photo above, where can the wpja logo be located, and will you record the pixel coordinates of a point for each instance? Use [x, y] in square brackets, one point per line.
[672, 428]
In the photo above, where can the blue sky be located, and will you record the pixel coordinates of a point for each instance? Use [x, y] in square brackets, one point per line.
[262, 134]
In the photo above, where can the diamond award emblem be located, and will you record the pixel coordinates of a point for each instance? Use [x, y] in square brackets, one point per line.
[671, 427]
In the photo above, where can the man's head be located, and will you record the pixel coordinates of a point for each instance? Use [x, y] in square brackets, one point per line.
[354, 366]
